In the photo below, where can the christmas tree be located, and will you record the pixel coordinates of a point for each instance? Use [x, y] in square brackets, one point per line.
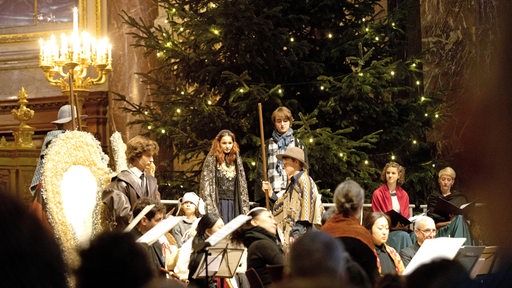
[338, 65]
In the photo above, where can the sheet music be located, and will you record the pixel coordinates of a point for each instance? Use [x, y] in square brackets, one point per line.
[137, 219]
[160, 229]
[227, 229]
[442, 247]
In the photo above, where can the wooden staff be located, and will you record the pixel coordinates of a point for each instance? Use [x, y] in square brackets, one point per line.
[263, 156]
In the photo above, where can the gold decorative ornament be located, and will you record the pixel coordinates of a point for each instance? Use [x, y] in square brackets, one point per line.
[23, 136]
[69, 151]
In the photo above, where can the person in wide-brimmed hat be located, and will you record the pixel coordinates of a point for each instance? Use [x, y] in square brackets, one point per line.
[281, 139]
[300, 208]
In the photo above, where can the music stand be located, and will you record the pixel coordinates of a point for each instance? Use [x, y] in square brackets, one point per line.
[222, 262]
[219, 258]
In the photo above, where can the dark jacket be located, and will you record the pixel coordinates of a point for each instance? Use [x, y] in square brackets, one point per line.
[262, 250]
[121, 195]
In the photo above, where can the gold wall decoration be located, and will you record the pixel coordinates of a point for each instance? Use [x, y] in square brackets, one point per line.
[23, 136]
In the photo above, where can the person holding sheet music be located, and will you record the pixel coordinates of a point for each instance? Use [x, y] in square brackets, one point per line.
[209, 224]
[131, 184]
[259, 236]
[424, 228]
[388, 260]
[148, 221]
[282, 138]
[391, 196]
[222, 184]
[448, 224]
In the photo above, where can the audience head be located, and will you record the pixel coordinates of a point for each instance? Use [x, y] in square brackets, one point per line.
[31, 257]
[439, 273]
[424, 228]
[393, 167]
[327, 214]
[209, 224]
[140, 151]
[114, 259]
[378, 224]
[349, 198]
[317, 254]
[261, 217]
[356, 276]
[153, 217]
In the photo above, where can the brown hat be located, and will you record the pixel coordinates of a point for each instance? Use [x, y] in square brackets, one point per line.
[295, 153]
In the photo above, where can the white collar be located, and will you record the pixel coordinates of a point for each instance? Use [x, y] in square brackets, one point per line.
[135, 171]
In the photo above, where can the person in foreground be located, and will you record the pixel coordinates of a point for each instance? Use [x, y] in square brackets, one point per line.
[345, 226]
[389, 261]
[259, 236]
[31, 256]
[424, 228]
[223, 185]
[209, 224]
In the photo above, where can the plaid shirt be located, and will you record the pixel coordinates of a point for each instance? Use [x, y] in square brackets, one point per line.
[275, 171]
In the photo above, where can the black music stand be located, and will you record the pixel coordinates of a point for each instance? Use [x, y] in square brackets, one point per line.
[220, 259]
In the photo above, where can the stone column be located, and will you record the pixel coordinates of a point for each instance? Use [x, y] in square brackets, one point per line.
[127, 61]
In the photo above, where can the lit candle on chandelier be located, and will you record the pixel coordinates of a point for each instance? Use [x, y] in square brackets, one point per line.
[75, 20]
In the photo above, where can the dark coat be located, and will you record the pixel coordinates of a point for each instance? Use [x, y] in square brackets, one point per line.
[262, 250]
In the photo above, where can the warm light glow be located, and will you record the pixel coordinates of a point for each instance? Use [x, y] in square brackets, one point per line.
[73, 54]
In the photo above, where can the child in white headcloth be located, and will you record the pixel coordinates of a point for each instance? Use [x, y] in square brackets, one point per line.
[192, 207]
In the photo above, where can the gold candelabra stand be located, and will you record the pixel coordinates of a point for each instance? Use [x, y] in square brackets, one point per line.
[70, 62]
[23, 136]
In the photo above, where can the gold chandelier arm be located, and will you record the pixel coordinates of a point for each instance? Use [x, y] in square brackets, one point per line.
[103, 70]
[49, 74]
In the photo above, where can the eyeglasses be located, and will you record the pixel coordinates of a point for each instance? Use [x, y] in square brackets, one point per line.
[429, 231]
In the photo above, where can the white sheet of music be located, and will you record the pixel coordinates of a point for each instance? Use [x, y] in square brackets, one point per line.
[160, 229]
[137, 219]
[442, 247]
[227, 229]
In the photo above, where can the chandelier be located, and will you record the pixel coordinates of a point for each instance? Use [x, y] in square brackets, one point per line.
[75, 62]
